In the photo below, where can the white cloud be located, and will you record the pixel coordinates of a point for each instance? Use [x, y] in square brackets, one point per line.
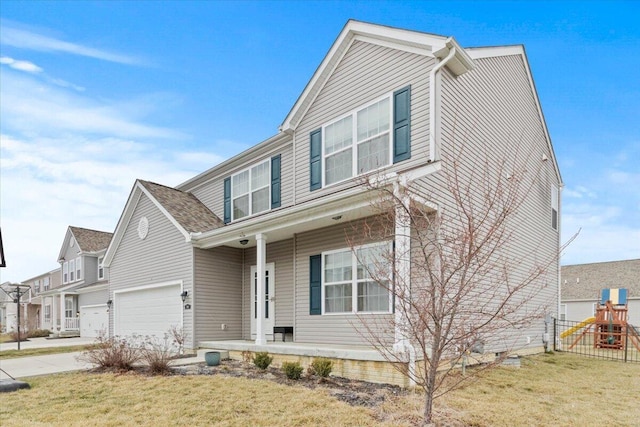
[27, 66]
[13, 36]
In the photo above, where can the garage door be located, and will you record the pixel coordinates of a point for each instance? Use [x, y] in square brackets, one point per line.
[147, 311]
[93, 319]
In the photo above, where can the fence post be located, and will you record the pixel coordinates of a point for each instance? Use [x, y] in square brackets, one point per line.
[555, 334]
[626, 342]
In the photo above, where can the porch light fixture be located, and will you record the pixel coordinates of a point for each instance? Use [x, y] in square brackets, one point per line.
[109, 304]
[244, 242]
[184, 295]
[337, 218]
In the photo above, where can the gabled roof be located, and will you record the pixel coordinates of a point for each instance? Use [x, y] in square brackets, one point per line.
[88, 241]
[585, 281]
[397, 38]
[182, 209]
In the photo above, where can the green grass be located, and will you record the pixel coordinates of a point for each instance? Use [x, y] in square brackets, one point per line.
[12, 354]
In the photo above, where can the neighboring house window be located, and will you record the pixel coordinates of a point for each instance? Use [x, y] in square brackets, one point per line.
[366, 139]
[78, 269]
[347, 282]
[563, 311]
[554, 206]
[45, 284]
[72, 270]
[65, 272]
[36, 286]
[250, 190]
[68, 307]
[100, 268]
[47, 313]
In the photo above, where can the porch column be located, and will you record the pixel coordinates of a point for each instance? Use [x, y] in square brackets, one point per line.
[53, 313]
[261, 249]
[62, 313]
[402, 290]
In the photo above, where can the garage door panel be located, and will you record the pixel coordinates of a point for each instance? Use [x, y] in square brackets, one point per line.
[149, 311]
[93, 320]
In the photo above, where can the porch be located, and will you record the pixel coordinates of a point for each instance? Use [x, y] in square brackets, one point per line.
[357, 362]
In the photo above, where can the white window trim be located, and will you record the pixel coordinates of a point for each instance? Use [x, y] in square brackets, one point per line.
[555, 203]
[354, 281]
[78, 269]
[47, 313]
[72, 271]
[354, 140]
[65, 272]
[251, 190]
[100, 268]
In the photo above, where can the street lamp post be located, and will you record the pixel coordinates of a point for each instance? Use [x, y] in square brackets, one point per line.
[16, 293]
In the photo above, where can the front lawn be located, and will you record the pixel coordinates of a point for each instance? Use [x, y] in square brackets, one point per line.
[556, 389]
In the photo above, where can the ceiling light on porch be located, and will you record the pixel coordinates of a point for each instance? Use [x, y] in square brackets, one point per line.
[337, 218]
[243, 242]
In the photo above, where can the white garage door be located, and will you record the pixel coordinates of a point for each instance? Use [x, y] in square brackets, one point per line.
[93, 319]
[147, 311]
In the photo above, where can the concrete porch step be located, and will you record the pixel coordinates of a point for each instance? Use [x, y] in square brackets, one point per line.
[69, 334]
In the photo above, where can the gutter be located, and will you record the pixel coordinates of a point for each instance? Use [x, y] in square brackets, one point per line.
[432, 102]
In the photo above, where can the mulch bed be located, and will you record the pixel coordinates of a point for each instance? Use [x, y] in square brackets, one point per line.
[353, 392]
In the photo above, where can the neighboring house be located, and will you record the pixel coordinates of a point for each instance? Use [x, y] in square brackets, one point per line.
[269, 225]
[39, 315]
[581, 287]
[7, 312]
[79, 305]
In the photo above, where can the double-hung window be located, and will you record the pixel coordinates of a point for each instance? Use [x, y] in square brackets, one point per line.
[356, 280]
[47, 313]
[46, 283]
[555, 199]
[358, 143]
[65, 272]
[78, 269]
[72, 270]
[100, 268]
[68, 307]
[250, 190]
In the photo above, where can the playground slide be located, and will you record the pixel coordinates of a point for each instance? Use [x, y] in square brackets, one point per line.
[580, 325]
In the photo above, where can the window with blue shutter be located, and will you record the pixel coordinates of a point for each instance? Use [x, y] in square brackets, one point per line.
[315, 284]
[227, 200]
[315, 165]
[402, 124]
[275, 182]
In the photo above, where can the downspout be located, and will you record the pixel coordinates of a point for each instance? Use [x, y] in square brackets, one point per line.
[557, 338]
[432, 103]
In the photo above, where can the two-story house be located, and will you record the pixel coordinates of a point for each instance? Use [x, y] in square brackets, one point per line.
[79, 302]
[260, 246]
[39, 309]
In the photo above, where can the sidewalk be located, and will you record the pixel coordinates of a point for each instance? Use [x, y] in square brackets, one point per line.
[45, 343]
[22, 367]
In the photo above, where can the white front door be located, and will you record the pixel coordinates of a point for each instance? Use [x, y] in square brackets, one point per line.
[269, 300]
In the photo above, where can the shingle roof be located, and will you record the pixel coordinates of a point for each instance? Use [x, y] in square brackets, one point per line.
[585, 281]
[91, 240]
[184, 207]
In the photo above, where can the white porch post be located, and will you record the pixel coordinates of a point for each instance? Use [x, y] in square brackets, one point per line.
[261, 249]
[53, 313]
[403, 273]
[62, 313]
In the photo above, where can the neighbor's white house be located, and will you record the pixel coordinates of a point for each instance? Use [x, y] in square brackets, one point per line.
[255, 250]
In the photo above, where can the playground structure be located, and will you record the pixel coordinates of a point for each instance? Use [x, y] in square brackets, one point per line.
[609, 327]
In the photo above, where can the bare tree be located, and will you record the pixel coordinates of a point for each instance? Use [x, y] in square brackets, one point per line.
[466, 275]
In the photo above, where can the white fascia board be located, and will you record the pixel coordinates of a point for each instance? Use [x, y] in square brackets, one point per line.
[123, 222]
[461, 61]
[497, 51]
[65, 244]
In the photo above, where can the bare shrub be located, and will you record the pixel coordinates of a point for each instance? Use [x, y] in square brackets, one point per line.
[115, 353]
[158, 353]
[177, 333]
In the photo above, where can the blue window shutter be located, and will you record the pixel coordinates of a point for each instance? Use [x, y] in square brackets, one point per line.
[315, 284]
[227, 200]
[402, 124]
[275, 182]
[315, 165]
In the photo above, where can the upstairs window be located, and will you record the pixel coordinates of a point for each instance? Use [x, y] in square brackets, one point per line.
[36, 286]
[100, 268]
[45, 283]
[368, 138]
[554, 206]
[250, 190]
[65, 272]
[78, 269]
[72, 270]
[369, 128]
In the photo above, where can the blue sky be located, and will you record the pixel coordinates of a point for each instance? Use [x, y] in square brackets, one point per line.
[96, 94]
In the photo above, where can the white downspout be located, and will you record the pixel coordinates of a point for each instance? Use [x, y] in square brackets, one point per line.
[432, 104]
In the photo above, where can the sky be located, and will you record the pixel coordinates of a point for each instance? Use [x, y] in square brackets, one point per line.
[94, 95]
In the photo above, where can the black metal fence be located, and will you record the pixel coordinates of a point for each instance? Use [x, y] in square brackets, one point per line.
[604, 340]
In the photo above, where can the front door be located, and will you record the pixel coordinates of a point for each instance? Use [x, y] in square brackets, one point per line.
[268, 310]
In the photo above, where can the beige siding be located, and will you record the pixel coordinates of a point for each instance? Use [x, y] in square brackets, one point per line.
[217, 296]
[490, 114]
[281, 255]
[163, 256]
[365, 73]
[212, 192]
[333, 328]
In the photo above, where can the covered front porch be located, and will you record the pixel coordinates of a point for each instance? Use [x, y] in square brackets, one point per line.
[350, 361]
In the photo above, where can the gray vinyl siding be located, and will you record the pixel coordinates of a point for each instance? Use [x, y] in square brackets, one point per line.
[492, 110]
[163, 256]
[332, 328]
[217, 295]
[281, 255]
[93, 298]
[212, 195]
[365, 73]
